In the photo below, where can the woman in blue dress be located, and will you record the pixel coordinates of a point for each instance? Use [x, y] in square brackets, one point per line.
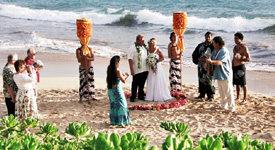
[119, 113]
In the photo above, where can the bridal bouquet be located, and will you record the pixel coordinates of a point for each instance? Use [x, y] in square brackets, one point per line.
[152, 62]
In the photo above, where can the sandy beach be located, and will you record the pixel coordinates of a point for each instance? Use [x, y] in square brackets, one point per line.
[58, 103]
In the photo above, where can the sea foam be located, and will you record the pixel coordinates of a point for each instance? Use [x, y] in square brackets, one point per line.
[43, 44]
[113, 16]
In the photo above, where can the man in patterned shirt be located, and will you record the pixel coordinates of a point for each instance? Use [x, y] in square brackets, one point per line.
[9, 86]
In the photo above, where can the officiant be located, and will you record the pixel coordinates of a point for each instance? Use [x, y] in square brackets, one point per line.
[203, 51]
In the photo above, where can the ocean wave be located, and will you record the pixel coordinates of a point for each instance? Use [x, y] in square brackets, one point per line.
[55, 15]
[230, 24]
[42, 44]
[270, 67]
[127, 18]
[35, 40]
[270, 29]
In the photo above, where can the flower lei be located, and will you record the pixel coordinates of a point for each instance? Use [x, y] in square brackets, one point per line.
[139, 54]
[181, 100]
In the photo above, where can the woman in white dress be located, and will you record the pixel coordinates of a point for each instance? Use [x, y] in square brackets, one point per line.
[25, 101]
[157, 88]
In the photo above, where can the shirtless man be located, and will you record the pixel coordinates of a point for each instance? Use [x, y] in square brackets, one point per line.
[85, 61]
[175, 55]
[240, 56]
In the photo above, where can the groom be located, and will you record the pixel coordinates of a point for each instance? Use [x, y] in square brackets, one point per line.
[137, 62]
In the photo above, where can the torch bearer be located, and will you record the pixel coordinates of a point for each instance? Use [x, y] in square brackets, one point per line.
[84, 33]
[179, 26]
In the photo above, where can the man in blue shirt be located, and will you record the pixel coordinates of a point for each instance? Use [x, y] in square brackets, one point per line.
[220, 58]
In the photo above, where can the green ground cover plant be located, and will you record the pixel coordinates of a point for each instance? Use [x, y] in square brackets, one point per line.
[16, 135]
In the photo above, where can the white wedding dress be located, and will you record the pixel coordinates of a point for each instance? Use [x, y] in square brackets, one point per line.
[157, 88]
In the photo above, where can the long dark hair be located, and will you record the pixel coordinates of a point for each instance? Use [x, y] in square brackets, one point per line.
[112, 72]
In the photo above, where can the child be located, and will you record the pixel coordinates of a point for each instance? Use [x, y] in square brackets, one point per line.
[38, 65]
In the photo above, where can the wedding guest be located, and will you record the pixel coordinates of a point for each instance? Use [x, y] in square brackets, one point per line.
[157, 89]
[9, 86]
[86, 61]
[203, 51]
[240, 56]
[174, 72]
[25, 102]
[38, 65]
[119, 113]
[220, 58]
[30, 56]
[30, 59]
[137, 62]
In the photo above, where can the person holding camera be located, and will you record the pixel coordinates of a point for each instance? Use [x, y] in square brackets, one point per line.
[202, 52]
[25, 101]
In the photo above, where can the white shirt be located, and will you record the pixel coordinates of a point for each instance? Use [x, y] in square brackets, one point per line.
[133, 55]
[23, 81]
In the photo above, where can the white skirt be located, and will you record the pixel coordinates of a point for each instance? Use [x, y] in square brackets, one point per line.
[157, 88]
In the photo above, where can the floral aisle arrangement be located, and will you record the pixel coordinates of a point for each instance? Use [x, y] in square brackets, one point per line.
[152, 62]
[181, 100]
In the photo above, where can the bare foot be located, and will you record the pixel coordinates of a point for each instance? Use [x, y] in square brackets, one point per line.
[80, 101]
[243, 102]
[229, 112]
[210, 99]
[95, 99]
[122, 126]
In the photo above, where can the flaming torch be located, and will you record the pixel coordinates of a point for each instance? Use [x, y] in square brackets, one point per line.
[84, 33]
[179, 26]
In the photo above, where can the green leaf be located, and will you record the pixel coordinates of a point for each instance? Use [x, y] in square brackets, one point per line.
[2, 128]
[217, 145]
[255, 142]
[181, 145]
[31, 122]
[203, 144]
[153, 148]
[114, 138]
[241, 145]
[48, 129]
[130, 136]
[101, 143]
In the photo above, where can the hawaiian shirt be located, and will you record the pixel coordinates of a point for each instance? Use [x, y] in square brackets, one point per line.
[8, 81]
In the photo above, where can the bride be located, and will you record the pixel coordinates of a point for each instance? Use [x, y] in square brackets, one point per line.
[157, 89]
